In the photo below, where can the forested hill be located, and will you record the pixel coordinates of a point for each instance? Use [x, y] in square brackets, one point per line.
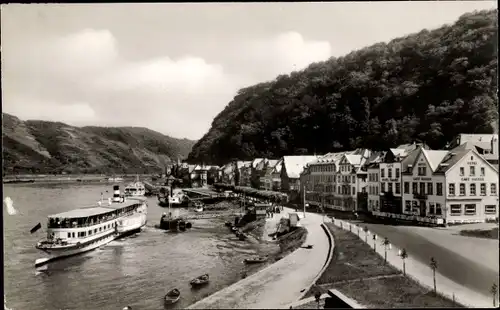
[53, 147]
[428, 86]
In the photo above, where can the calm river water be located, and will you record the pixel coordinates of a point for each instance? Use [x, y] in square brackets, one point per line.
[134, 271]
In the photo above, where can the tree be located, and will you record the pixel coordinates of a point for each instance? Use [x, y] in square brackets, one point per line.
[434, 266]
[494, 290]
[404, 255]
[386, 244]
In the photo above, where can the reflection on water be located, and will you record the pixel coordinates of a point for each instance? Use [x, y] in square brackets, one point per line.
[132, 271]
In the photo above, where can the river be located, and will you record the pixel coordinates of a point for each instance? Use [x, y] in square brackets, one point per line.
[135, 271]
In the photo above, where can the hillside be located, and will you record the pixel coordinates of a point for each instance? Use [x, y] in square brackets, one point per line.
[52, 147]
[427, 86]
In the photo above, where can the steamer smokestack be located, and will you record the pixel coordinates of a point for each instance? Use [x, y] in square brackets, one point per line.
[116, 193]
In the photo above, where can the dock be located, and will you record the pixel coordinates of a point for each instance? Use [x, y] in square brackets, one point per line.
[201, 192]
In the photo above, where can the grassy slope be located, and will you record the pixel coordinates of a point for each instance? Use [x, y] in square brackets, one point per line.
[48, 147]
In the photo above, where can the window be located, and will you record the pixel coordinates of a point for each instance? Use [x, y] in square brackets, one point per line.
[439, 189]
[439, 211]
[470, 209]
[430, 189]
[397, 172]
[451, 189]
[95, 231]
[414, 186]
[90, 232]
[493, 189]
[462, 189]
[490, 209]
[472, 188]
[407, 187]
[398, 188]
[482, 171]
[382, 173]
[422, 171]
[483, 189]
[338, 190]
[389, 173]
[382, 187]
[407, 206]
[422, 188]
[462, 171]
[353, 190]
[431, 208]
[353, 179]
[472, 171]
[455, 209]
[389, 187]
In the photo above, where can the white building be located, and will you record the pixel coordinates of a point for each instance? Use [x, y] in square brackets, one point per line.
[471, 186]
[455, 186]
[351, 180]
[485, 144]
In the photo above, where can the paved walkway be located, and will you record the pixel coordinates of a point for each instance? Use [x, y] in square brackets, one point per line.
[421, 271]
[279, 284]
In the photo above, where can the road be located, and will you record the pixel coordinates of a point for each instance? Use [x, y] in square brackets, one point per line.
[281, 283]
[467, 261]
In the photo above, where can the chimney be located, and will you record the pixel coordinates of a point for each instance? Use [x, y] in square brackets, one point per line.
[116, 193]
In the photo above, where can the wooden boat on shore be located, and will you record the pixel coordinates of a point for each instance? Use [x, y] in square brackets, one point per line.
[172, 296]
[255, 260]
[201, 280]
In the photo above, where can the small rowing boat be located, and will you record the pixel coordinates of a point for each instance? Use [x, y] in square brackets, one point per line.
[201, 280]
[255, 260]
[172, 296]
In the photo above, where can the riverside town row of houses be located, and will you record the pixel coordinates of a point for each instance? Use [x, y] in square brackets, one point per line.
[411, 181]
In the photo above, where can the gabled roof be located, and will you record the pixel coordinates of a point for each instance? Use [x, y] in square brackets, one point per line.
[434, 157]
[455, 155]
[374, 159]
[271, 163]
[295, 164]
[353, 159]
[410, 159]
[241, 163]
[277, 167]
[256, 161]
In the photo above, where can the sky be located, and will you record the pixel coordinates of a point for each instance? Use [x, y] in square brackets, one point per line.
[172, 67]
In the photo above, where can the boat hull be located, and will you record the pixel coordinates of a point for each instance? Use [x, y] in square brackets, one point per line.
[131, 225]
[55, 254]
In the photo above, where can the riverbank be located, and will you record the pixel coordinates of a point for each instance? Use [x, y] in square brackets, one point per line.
[361, 274]
[281, 283]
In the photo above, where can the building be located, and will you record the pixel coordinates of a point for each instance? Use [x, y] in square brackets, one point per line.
[372, 167]
[318, 180]
[266, 180]
[421, 186]
[351, 180]
[258, 171]
[485, 144]
[291, 169]
[276, 176]
[471, 185]
[245, 173]
[198, 175]
[391, 178]
[456, 186]
[228, 173]
[214, 174]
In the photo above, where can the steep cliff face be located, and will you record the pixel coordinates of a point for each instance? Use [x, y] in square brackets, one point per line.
[428, 86]
[53, 147]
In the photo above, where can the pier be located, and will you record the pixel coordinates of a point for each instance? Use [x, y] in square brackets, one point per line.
[203, 192]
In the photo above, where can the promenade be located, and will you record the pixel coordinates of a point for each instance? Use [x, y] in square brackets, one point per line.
[281, 283]
[456, 274]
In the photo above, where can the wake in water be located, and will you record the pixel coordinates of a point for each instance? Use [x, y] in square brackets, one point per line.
[9, 205]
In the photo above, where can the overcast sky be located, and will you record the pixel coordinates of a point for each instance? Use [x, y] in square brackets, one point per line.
[174, 67]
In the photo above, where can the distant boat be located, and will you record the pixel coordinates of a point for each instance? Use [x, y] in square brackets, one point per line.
[135, 189]
[172, 296]
[115, 179]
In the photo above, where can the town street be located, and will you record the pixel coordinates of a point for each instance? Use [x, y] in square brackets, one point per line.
[470, 262]
[282, 282]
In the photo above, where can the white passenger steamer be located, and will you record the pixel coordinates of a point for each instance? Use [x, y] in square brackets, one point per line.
[81, 230]
[135, 189]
